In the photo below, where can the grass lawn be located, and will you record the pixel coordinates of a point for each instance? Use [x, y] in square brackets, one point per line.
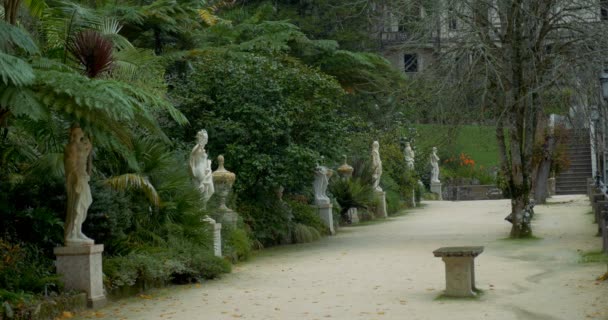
[479, 142]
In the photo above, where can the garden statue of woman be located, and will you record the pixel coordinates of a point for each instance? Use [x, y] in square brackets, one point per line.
[376, 166]
[409, 156]
[435, 166]
[320, 185]
[77, 164]
[200, 166]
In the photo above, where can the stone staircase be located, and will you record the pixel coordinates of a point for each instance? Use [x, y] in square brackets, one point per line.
[574, 180]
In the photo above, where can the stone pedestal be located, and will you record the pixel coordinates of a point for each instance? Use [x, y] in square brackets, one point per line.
[590, 186]
[326, 214]
[81, 270]
[604, 230]
[599, 207]
[228, 217]
[217, 236]
[551, 186]
[353, 214]
[459, 270]
[381, 208]
[436, 188]
[217, 240]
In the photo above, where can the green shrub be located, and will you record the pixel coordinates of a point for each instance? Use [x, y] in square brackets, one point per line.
[461, 169]
[352, 193]
[236, 244]
[268, 221]
[303, 233]
[24, 268]
[252, 118]
[160, 266]
[305, 214]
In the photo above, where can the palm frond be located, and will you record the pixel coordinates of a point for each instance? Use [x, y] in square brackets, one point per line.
[126, 14]
[12, 37]
[36, 7]
[135, 181]
[49, 166]
[64, 20]
[208, 17]
[110, 28]
[140, 68]
[22, 102]
[49, 64]
[15, 71]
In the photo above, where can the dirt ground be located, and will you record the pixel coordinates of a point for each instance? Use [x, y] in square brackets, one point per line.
[387, 271]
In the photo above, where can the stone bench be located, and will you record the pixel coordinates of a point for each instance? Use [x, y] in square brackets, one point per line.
[459, 269]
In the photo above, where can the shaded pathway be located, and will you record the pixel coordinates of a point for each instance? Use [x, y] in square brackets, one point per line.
[387, 271]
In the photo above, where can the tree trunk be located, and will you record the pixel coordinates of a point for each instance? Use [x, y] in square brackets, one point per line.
[521, 218]
[544, 170]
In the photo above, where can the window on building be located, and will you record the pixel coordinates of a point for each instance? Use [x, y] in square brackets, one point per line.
[604, 10]
[452, 19]
[410, 61]
[412, 15]
[480, 14]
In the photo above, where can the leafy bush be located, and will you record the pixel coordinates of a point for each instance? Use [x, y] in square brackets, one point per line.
[303, 233]
[351, 193]
[156, 267]
[268, 222]
[236, 243]
[271, 118]
[24, 268]
[305, 214]
[462, 170]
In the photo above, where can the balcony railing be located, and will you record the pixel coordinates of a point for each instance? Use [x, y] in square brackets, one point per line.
[392, 37]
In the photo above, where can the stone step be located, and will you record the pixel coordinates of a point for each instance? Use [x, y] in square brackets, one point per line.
[580, 157]
[578, 172]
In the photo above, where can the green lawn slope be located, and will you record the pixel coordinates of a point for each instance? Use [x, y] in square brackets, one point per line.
[479, 142]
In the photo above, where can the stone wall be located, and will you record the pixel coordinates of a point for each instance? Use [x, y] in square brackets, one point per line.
[472, 192]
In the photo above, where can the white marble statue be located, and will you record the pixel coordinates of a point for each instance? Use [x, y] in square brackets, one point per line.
[320, 185]
[200, 166]
[77, 163]
[409, 156]
[376, 165]
[435, 166]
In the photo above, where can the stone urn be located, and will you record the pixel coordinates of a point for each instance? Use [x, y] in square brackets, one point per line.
[345, 170]
[223, 181]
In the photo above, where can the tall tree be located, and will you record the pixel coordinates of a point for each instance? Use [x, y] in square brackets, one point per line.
[503, 55]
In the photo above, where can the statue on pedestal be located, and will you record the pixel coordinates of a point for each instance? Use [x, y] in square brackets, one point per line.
[435, 166]
[376, 165]
[409, 156]
[200, 166]
[77, 161]
[320, 184]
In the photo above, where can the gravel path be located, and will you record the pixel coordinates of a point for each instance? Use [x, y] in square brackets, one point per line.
[387, 271]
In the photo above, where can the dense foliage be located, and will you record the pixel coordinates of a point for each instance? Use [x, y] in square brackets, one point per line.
[141, 79]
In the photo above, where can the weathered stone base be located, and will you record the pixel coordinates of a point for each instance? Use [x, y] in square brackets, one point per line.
[326, 214]
[436, 188]
[228, 217]
[459, 276]
[353, 214]
[551, 183]
[459, 270]
[217, 236]
[413, 198]
[81, 269]
[381, 208]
